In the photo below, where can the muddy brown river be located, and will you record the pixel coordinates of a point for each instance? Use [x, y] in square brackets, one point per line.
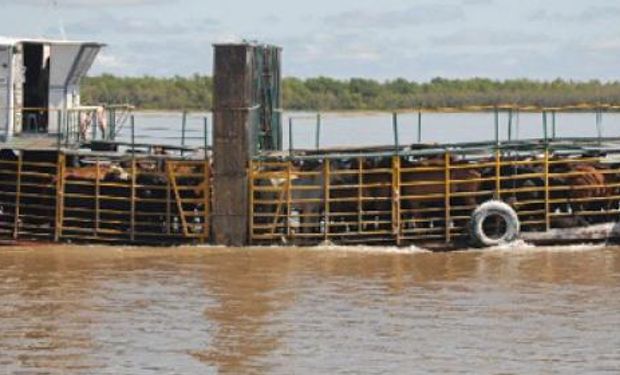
[96, 310]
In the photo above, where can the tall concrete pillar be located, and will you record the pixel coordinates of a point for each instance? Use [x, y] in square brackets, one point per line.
[246, 105]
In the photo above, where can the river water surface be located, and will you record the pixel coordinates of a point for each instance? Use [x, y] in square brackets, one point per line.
[100, 310]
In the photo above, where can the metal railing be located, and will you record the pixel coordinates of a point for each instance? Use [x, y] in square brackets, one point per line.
[74, 125]
[548, 121]
[403, 199]
[130, 199]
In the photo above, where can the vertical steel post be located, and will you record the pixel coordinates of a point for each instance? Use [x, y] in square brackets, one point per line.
[206, 227]
[59, 128]
[497, 137]
[360, 194]
[395, 130]
[498, 174]
[112, 131]
[396, 214]
[59, 121]
[95, 122]
[553, 125]
[545, 130]
[448, 201]
[183, 125]
[317, 136]
[18, 193]
[68, 130]
[517, 125]
[547, 191]
[97, 195]
[60, 196]
[326, 198]
[290, 136]
[133, 134]
[510, 125]
[205, 134]
[168, 198]
[420, 127]
[289, 198]
[78, 131]
[599, 124]
[250, 223]
[132, 234]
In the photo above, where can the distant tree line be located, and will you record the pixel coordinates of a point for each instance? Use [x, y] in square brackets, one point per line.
[327, 94]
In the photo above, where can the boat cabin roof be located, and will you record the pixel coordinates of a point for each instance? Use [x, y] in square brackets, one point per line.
[11, 41]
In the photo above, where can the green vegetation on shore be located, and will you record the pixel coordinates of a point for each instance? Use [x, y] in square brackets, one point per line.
[327, 94]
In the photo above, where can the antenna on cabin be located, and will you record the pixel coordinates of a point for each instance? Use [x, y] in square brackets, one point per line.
[61, 25]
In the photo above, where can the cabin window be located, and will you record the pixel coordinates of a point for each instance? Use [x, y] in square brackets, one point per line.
[36, 88]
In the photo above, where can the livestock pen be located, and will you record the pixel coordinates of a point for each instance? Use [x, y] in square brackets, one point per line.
[449, 195]
[114, 197]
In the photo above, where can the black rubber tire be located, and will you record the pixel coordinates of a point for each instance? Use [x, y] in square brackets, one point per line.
[494, 208]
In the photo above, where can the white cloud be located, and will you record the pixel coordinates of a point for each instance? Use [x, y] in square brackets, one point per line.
[491, 38]
[418, 39]
[107, 62]
[606, 45]
[410, 17]
[107, 24]
[82, 3]
[591, 14]
[478, 2]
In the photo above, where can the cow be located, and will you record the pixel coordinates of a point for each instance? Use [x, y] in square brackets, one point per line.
[426, 188]
[522, 186]
[374, 184]
[103, 172]
[307, 195]
[422, 188]
[582, 188]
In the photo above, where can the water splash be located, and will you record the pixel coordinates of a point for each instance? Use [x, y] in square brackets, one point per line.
[371, 249]
[521, 247]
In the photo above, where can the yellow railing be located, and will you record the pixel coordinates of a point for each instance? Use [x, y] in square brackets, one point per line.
[109, 199]
[405, 199]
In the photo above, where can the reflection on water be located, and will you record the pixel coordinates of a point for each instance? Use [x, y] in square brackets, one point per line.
[75, 310]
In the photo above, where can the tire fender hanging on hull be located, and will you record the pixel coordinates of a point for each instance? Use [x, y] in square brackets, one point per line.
[496, 213]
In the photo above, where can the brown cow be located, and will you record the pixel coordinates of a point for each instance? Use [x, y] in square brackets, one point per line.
[585, 185]
[427, 187]
[423, 189]
[91, 173]
[591, 178]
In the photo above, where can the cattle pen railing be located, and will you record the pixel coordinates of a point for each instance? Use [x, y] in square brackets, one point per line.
[46, 195]
[428, 196]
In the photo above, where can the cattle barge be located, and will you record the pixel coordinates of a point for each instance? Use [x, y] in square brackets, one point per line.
[65, 174]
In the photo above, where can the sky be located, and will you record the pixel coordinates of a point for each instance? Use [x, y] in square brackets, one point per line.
[387, 39]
